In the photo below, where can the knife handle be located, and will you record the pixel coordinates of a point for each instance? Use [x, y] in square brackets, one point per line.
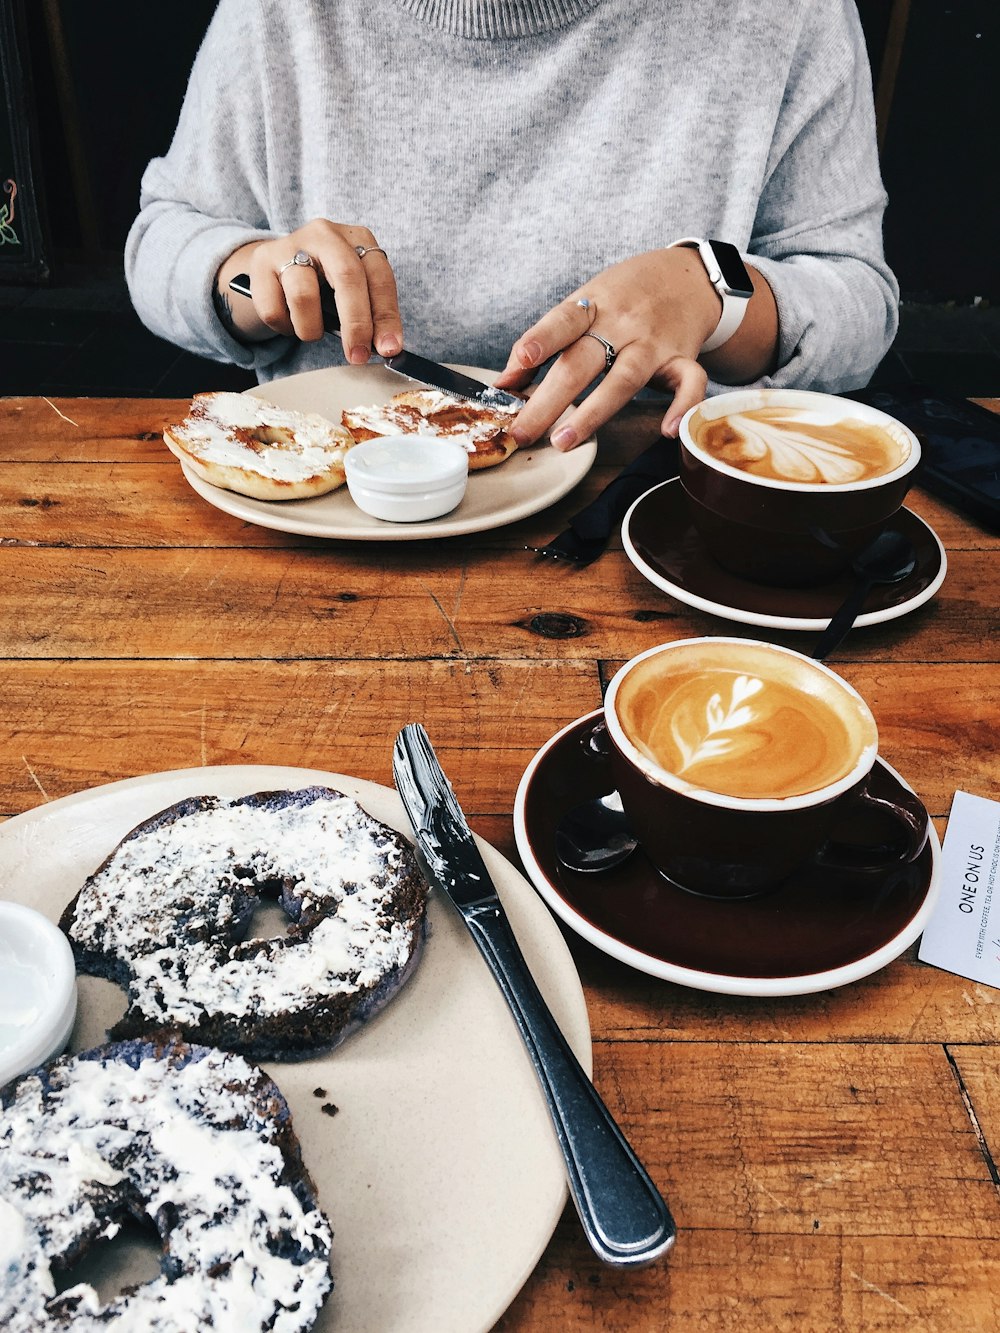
[331, 316]
[623, 1214]
[603, 516]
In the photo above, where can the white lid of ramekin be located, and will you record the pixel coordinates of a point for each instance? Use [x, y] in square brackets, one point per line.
[38, 990]
[406, 464]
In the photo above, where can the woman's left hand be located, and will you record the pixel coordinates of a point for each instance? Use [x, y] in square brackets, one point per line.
[655, 310]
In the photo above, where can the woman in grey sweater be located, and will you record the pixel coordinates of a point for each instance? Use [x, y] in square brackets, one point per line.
[500, 182]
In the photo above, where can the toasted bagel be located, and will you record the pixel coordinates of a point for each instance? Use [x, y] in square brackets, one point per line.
[252, 447]
[485, 431]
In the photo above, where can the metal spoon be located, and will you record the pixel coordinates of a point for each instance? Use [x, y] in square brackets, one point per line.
[594, 835]
[889, 558]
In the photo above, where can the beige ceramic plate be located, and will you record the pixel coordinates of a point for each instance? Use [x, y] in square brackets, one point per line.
[440, 1171]
[529, 481]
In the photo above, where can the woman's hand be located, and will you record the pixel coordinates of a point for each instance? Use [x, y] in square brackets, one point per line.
[655, 310]
[286, 296]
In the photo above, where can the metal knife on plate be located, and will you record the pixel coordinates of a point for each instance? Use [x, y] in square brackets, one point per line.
[420, 368]
[625, 1218]
[409, 364]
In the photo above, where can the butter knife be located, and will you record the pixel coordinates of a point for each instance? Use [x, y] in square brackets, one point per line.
[409, 364]
[425, 371]
[625, 1219]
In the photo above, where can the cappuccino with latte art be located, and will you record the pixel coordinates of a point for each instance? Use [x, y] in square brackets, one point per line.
[743, 721]
[784, 443]
[736, 760]
[787, 486]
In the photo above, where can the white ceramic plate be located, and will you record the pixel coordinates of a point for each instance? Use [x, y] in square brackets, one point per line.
[529, 481]
[440, 1172]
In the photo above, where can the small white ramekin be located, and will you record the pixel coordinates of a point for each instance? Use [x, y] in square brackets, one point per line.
[37, 990]
[407, 478]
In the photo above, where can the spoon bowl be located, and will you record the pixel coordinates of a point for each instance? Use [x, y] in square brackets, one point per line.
[594, 835]
[888, 558]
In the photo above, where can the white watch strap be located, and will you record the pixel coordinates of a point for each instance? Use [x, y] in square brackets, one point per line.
[733, 307]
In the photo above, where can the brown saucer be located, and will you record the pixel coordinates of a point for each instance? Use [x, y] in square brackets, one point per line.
[662, 543]
[817, 931]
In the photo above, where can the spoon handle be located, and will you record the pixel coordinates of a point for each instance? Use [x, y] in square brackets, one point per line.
[842, 620]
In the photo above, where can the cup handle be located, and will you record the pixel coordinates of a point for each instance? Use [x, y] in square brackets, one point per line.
[909, 815]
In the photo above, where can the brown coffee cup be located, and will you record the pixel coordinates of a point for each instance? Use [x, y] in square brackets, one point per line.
[785, 487]
[736, 761]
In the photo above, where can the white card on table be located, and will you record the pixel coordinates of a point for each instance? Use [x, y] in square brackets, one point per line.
[963, 933]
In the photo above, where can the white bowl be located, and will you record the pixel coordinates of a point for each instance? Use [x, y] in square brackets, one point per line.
[407, 478]
[37, 990]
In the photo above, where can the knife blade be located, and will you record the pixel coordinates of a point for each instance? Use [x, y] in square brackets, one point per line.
[425, 371]
[589, 532]
[625, 1219]
[410, 364]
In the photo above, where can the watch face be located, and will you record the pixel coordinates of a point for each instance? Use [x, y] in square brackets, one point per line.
[732, 268]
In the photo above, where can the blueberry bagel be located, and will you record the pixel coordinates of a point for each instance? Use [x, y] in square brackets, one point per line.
[196, 1142]
[167, 914]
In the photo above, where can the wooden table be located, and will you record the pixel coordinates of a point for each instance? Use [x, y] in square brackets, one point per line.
[832, 1160]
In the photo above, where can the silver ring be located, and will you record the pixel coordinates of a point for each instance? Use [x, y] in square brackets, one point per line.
[301, 257]
[585, 303]
[362, 250]
[610, 354]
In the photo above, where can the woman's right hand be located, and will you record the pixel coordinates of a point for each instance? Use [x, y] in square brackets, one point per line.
[288, 301]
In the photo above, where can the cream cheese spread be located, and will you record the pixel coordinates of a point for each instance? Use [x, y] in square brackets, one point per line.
[173, 899]
[200, 1139]
[238, 430]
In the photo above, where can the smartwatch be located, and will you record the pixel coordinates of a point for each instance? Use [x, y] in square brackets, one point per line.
[729, 276]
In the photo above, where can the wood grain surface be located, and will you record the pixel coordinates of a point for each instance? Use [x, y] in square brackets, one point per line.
[831, 1159]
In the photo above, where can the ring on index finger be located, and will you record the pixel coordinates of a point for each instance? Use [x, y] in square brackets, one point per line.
[610, 352]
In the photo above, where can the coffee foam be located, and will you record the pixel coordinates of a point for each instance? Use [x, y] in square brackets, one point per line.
[743, 721]
[785, 442]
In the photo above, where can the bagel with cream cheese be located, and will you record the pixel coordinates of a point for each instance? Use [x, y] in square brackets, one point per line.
[168, 914]
[243, 444]
[484, 430]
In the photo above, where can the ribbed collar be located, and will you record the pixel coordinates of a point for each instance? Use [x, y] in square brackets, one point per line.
[498, 18]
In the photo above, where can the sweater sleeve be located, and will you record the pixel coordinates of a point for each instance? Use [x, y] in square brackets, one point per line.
[817, 236]
[205, 198]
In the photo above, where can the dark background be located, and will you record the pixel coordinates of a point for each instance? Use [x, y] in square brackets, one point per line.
[106, 79]
[107, 102]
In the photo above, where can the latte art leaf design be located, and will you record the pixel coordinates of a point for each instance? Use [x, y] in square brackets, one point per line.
[709, 742]
[796, 452]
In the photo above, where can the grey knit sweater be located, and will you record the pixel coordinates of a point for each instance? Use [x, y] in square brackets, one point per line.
[503, 151]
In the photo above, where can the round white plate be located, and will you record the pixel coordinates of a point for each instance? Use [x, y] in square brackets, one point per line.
[529, 481]
[563, 772]
[440, 1171]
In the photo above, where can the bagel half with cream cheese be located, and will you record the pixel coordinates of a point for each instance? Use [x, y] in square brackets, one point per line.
[484, 430]
[167, 916]
[243, 444]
